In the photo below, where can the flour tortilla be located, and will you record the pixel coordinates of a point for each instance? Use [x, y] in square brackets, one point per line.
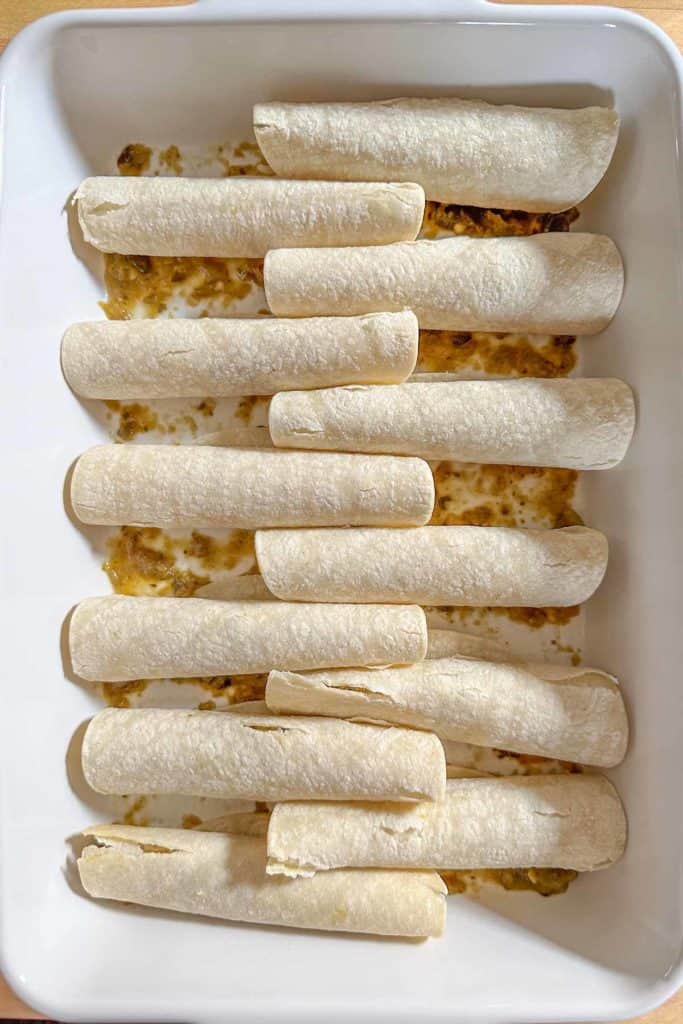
[200, 487]
[258, 757]
[129, 359]
[435, 565]
[118, 638]
[574, 822]
[460, 151]
[581, 423]
[242, 216]
[224, 876]
[555, 283]
[573, 714]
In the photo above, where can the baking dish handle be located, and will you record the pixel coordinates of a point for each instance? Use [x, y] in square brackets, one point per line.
[325, 9]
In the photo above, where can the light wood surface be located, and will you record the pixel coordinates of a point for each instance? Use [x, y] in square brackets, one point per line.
[14, 14]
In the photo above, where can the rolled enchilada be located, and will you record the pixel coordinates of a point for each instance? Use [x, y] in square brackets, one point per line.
[573, 714]
[259, 757]
[202, 486]
[582, 423]
[119, 638]
[555, 283]
[574, 822]
[461, 151]
[435, 565]
[223, 876]
[186, 358]
[242, 216]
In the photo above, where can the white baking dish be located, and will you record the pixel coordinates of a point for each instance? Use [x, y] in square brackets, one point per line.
[75, 88]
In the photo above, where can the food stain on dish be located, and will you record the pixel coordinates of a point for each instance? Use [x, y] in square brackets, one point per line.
[133, 816]
[224, 160]
[206, 407]
[559, 630]
[143, 560]
[531, 764]
[129, 420]
[170, 158]
[544, 881]
[190, 821]
[144, 286]
[227, 690]
[213, 554]
[561, 648]
[471, 494]
[463, 758]
[233, 689]
[118, 695]
[189, 422]
[134, 159]
[485, 223]
[534, 618]
[133, 418]
[245, 158]
[249, 406]
[496, 355]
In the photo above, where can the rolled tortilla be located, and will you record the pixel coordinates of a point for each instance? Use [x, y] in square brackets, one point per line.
[258, 757]
[224, 876]
[242, 216]
[556, 283]
[581, 423]
[460, 151]
[192, 486]
[118, 638]
[128, 359]
[435, 565]
[574, 822]
[573, 714]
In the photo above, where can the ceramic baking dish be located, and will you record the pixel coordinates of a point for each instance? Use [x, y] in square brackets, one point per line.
[77, 86]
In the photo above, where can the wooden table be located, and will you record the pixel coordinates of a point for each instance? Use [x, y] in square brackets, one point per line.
[14, 14]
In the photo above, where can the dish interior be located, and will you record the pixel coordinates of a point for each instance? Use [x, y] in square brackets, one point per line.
[76, 92]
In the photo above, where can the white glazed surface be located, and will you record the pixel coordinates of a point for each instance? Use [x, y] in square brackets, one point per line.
[76, 88]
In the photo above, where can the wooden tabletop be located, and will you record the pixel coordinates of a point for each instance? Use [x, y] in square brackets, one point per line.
[14, 14]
